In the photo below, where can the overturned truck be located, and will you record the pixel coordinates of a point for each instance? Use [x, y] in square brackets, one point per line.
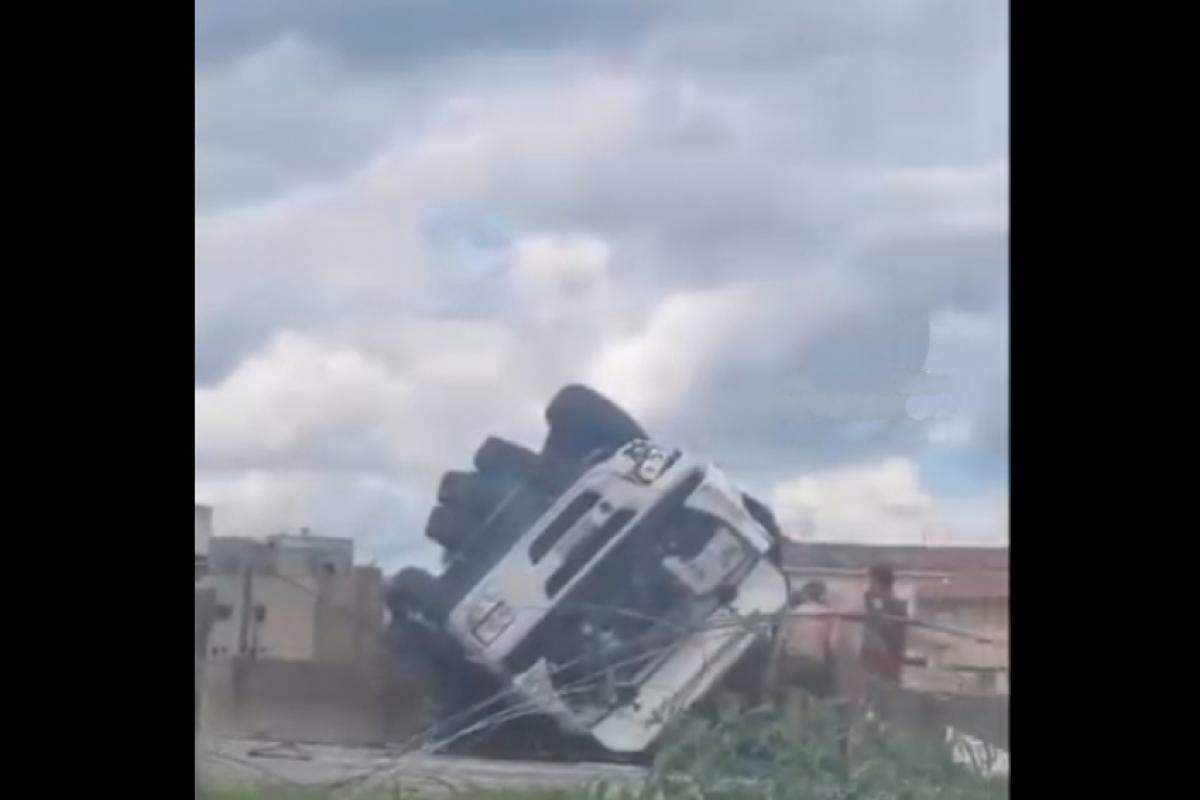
[589, 592]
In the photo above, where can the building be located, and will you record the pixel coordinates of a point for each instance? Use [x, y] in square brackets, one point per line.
[293, 598]
[311, 555]
[963, 591]
[204, 532]
[295, 651]
[967, 601]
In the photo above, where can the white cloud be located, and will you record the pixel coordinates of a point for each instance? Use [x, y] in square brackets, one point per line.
[256, 503]
[689, 337]
[433, 352]
[982, 519]
[652, 370]
[562, 277]
[296, 389]
[383, 515]
[302, 259]
[310, 401]
[884, 502]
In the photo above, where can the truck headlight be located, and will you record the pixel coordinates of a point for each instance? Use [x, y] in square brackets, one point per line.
[652, 466]
[649, 462]
[495, 622]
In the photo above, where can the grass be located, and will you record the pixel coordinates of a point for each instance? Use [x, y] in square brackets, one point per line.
[246, 793]
[304, 794]
[803, 750]
[809, 751]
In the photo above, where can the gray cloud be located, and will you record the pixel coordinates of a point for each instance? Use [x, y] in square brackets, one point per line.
[416, 220]
[380, 34]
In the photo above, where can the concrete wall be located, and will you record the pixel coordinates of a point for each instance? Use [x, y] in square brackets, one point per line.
[314, 667]
[205, 598]
[307, 701]
[945, 656]
[349, 615]
[956, 663]
[987, 616]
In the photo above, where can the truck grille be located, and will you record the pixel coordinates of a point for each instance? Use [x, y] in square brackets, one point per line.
[561, 524]
[586, 550]
[603, 582]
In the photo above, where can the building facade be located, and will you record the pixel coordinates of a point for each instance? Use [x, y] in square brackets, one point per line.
[294, 650]
[204, 533]
[961, 593]
[293, 598]
[968, 601]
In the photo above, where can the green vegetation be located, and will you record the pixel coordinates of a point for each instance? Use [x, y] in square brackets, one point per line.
[802, 751]
[809, 751]
[310, 794]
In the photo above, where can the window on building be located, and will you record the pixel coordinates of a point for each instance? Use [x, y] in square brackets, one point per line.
[260, 613]
[223, 611]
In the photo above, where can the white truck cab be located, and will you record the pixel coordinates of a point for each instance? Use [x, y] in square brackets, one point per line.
[628, 598]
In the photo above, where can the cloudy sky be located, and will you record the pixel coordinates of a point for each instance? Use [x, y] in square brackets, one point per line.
[777, 232]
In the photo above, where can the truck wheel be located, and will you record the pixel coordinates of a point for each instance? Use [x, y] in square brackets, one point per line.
[501, 457]
[451, 526]
[438, 682]
[479, 494]
[414, 589]
[582, 420]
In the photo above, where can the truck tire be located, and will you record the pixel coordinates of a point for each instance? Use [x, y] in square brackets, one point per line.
[451, 526]
[414, 590]
[479, 494]
[582, 421]
[501, 457]
[435, 665]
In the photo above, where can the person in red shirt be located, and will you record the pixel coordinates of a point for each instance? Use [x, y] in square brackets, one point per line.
[884, 627]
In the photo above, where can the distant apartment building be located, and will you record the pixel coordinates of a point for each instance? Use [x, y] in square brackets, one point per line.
[961, 590]
[204, 533]
[293, 598]
[294, 652]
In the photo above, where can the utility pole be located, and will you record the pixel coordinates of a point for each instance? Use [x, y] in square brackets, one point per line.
[247, 599]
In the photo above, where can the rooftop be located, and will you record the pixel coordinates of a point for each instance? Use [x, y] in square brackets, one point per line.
[902, 558]
[308, 540]
[977, 585]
